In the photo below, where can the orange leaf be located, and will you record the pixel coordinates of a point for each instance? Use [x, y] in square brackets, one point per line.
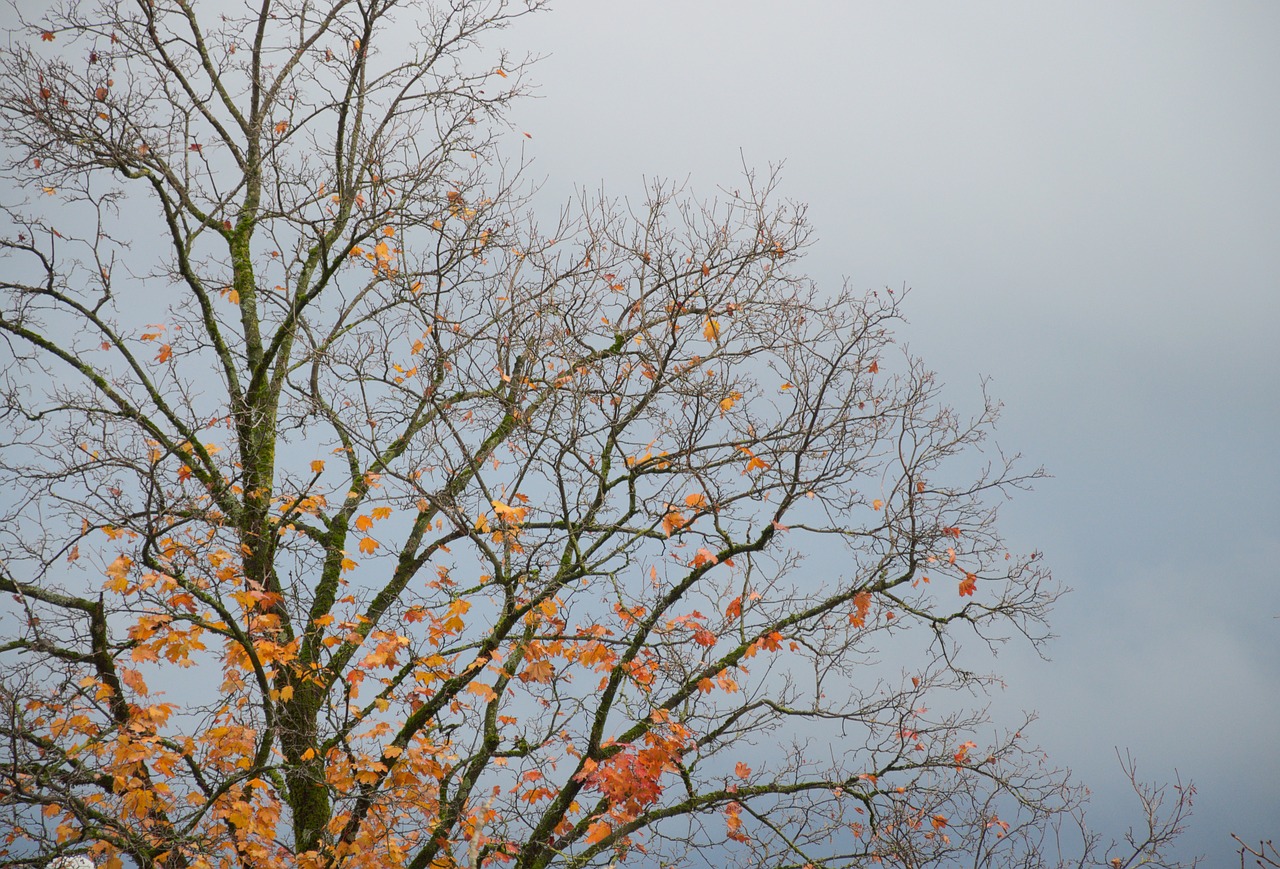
[509, 514]
[165, 354]
[877, 504]
[363, 523]
[47, 36]
[741, 770]
[538, 671]
[968, 585]
[861, 605]
[598, 831]
[874, 366]
[368, 545]
[711, 331]
[704, 557]
[381, 512]
[483, 691]
[317, 466]
[673, 522]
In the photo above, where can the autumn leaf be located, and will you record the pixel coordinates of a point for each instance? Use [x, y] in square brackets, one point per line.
[483, 691]
[46, 36]
[165, 354]
[968, 585]
[673, 521]
[540, 671]
[703, 637]
[598, 831]
[703, 557]
[118, 572]
[317, 465]
[711, 331]
[508, 514]
[861, 606]
[363, 523]
[697, 501]
[741, 770]
[877, 504]
[368, 545]
[734, 609]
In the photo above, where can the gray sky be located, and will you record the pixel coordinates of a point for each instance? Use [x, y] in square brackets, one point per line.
[1085, 199]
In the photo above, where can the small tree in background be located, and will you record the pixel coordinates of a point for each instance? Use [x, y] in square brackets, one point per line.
[353, 518]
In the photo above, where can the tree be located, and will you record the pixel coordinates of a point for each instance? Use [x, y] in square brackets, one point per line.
[353, 517]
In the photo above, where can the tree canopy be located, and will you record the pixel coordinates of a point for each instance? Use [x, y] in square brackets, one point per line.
[353, 516]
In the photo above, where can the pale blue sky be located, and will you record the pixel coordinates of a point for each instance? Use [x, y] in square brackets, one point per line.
[1085, 198]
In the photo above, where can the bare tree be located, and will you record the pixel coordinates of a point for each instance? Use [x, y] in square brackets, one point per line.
[1265, 854]
[352, 517]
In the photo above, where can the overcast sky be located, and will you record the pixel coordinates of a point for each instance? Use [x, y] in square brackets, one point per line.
[1085, 199]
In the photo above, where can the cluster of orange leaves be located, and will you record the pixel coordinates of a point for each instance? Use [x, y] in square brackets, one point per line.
[630, 779]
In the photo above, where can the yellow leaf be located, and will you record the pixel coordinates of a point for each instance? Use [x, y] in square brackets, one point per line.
[363, 523]
[368, 545]
[729, 401]
[118, 573]
[317, 466]
[381, 512]
[712, 330]
[512, 515]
